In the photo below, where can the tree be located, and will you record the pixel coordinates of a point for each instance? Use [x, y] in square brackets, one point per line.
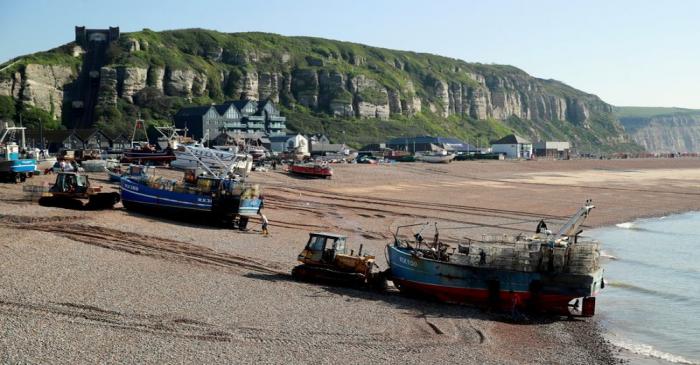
[35, 118]
[7, 108]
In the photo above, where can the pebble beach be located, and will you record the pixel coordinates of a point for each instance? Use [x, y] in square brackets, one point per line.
[115, 286]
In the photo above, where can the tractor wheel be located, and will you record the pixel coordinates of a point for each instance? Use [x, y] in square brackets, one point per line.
[22, 177]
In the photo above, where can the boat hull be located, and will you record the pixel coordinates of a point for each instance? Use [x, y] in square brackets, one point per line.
[449, 282]
[312, 171]
[45, 164]
[139, 196]
[159, 157]
[18, 166]
[437, 159]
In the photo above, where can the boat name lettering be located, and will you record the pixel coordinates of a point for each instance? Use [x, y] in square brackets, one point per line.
[408, 262]
[204, 200]
[131, 187]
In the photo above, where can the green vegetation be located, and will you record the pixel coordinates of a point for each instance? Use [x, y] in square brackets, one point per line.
[35, 118]
[57, 56]
[649, 112]
[229, 59]
[7, 107]
[358, 132]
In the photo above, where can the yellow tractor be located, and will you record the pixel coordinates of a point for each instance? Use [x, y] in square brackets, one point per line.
[327, 258]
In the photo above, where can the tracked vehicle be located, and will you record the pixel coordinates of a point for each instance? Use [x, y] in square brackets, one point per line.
[73, 191]
[327, 258]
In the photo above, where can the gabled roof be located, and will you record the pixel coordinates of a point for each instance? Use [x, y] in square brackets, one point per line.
[222, 108]
[512, 139]
[84, 134]
[240, 104]
[115, 136]
[50, 136]
[193, 111]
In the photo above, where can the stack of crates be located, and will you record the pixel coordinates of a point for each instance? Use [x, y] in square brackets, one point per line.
[584, 257]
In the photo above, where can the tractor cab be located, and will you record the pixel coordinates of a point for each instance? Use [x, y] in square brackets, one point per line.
[322, 248]
[70, 182]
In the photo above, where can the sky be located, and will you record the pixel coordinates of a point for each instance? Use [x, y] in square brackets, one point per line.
[641, 53]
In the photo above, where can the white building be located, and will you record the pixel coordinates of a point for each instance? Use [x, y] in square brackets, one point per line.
[513, 146]
[296, 143]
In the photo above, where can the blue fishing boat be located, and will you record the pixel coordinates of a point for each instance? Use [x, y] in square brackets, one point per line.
[215, 199]
[546, 272]
[14, 166]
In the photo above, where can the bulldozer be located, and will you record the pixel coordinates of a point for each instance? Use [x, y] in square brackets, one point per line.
[73, 191]
[326, 259]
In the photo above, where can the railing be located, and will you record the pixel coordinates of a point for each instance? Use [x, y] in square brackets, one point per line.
[276, 125]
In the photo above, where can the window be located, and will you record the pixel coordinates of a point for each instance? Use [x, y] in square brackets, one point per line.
[340, 245]
[316, 243]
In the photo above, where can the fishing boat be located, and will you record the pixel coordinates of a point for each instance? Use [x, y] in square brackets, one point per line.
[192, 156]
[436, 157]
[218, 197]
[546, 272]
[311, 169]
[258, 152]
[147, 154]
[14, 165]
[142, 152]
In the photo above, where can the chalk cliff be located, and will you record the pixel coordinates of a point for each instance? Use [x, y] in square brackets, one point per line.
[155, 73]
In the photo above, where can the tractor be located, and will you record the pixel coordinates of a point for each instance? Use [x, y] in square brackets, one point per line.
[326, 259]
[71, 190]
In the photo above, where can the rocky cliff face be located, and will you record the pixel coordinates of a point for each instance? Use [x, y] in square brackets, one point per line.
[40, 86]
[665, 133]
[338, 79]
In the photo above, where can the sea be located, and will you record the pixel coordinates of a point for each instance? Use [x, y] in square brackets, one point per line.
[650, 305]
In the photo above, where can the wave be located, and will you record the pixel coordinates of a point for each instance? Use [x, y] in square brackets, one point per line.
[606, 255]
[687, 271]
[634, 227]
[649, 351]
[647, 291]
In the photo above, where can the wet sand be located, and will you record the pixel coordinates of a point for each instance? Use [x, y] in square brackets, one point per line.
[120, 287]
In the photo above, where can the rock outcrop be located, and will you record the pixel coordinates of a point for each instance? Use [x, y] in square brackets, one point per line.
[130, 81]
[43, 86]
[107, 93]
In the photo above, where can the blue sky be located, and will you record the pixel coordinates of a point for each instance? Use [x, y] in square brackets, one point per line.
[642, 53]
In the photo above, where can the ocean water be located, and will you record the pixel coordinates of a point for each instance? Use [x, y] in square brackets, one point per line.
[651, 302]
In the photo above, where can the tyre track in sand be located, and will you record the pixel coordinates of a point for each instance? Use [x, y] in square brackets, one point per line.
[403, 203]
[145, 245]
